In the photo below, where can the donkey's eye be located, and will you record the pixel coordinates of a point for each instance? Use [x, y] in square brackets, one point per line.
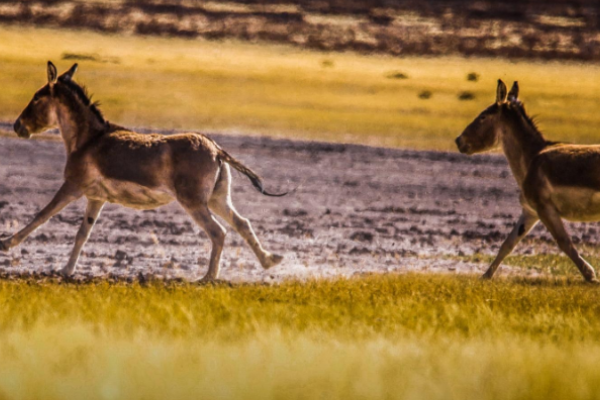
[36, 97]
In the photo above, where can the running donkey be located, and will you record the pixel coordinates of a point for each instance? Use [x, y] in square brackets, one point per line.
[108, 163]
[556, 180]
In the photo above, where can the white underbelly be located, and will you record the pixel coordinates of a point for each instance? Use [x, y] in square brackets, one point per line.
[128, 194]
[576, 203]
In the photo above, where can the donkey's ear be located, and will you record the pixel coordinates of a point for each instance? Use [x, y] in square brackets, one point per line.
[513, 95]
[69, 74]
[500, 92]
[52, 74]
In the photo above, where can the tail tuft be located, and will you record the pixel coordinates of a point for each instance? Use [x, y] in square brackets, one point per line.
[254, 178]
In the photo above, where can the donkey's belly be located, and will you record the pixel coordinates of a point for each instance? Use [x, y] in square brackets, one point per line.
[128, 194]
[576, 203]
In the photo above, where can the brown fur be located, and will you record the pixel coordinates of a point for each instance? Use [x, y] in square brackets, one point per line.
[556, 180]
[108, 163]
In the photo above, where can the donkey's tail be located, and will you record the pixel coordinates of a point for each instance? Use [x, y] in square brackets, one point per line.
[254, 178]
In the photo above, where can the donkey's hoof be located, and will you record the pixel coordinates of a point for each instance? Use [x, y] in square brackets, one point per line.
[64, 273]
[208, 281]
[59, 276]
[486, 277]
[4, 247]
[593, 281]
[272, 260]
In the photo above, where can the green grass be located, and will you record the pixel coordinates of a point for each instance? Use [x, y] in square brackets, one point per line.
[379, 337]
[283, 91]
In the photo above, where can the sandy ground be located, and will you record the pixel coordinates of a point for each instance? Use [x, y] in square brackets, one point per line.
[359, 210]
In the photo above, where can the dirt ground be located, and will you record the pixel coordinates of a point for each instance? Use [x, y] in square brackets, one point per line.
[359, 210]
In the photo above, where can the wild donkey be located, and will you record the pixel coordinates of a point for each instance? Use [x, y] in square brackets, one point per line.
[108, 163]
[556, 180]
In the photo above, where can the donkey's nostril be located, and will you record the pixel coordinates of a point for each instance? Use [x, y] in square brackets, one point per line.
[21, 130]
[462, 146]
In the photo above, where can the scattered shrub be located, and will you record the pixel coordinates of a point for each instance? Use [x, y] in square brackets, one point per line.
[466, 96]
[89, 57]
[473, 76]
[79, 57]
[425, 94]
[397, 75]
[381, 19]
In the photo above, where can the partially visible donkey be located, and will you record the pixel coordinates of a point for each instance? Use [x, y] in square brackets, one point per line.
[556, 180]
[108, 163]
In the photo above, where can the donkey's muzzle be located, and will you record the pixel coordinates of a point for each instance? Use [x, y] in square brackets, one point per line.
[21, 130]
[462, 146]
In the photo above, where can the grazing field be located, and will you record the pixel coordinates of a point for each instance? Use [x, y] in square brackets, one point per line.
[128, 327]
[378, 337]
[282, 91]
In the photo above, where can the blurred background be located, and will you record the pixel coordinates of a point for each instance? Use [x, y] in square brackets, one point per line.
[388, 73]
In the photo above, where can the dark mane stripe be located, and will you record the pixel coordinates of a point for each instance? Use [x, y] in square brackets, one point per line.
[81, 94]
[520, 107]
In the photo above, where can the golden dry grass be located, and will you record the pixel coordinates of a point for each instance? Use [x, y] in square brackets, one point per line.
[387, 337]
[379, 337]
[287, 92]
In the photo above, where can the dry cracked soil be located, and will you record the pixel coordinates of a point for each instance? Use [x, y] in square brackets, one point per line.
[358, 210]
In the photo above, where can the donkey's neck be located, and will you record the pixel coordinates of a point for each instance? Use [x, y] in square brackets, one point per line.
[78, 126]
[521, 142]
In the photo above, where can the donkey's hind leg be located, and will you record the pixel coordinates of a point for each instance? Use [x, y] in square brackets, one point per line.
[216, 233]
[91, 215]
[526, 222]
[551, 218]
[220, 203]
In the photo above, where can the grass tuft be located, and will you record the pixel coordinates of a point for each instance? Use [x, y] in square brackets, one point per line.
[425, 94]
[473, 76]
[466, 96]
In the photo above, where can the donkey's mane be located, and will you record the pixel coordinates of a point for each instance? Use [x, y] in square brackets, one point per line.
[530, 121]
[82, 95]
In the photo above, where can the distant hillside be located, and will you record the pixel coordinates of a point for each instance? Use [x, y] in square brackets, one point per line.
[515, 29]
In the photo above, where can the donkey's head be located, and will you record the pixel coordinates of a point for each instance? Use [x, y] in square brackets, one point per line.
[483, 134]
[40, 113]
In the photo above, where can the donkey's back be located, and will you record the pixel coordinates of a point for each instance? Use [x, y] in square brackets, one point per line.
[568, 177]
[145, 170]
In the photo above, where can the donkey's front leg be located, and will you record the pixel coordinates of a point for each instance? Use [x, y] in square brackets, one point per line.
[526, 222]
[551, 218]
[65, 195]
[91, 216]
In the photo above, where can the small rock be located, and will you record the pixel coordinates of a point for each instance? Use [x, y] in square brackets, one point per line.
[362, 236]
[120, 255]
